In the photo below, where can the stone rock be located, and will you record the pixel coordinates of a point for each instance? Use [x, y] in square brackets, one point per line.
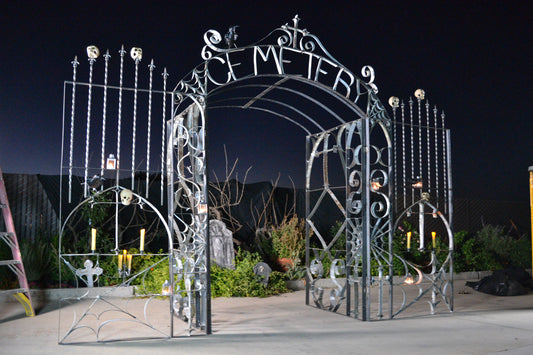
[222, 251]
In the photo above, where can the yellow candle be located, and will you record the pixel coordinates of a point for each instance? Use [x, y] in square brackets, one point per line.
[93, 239]
[141, 248]
[433, 235]
[129, 261]
[120, 261]
[408, 240]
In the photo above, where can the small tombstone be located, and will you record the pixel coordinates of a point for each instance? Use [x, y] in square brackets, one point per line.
[89, 272]
[222, 252]
[262, 271]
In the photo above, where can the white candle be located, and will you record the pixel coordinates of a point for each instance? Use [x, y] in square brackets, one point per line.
[141, 248]
[93, 239]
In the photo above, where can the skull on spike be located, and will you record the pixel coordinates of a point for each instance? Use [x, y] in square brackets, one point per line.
[126, 196]
[420, 94]
[394, 101]
[93, 52]
[136, 53]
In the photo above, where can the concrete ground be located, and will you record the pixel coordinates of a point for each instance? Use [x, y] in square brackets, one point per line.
[480, 324]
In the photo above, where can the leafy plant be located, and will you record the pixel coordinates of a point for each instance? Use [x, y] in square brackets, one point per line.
[492, 249]
[242, 282]
[288, 239]
[296, 272]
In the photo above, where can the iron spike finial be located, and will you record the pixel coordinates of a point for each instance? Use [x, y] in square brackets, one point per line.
[151, 66]
[107, 55]
[296, 20]
[165, 73]
[75, 62]
[122, 51]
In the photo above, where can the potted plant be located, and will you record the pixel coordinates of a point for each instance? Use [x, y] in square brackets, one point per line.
[296, 276]
[288, 241]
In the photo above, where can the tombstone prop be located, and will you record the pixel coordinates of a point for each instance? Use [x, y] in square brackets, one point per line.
[222, 252]
[89, 272]
[262, 271]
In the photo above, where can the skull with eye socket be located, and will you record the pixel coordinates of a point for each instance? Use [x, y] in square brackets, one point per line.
[136, 53]
[420, 94]
[126, 196]
[394, 101]
[93, 52]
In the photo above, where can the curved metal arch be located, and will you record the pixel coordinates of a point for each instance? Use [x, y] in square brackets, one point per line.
[325, 108]
[281, 103]
[99, 193]
[267, 111]
[342, 99]
[439, 214]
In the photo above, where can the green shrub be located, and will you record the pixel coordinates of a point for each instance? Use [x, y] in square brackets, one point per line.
[242, 282]
[492, 249]
[288, 239]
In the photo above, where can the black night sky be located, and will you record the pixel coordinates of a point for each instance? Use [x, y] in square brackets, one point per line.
[473, 59]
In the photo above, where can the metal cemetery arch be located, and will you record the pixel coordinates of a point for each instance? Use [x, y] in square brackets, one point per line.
[351, 164]
[258, 73]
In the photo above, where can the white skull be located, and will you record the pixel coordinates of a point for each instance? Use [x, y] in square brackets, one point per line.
[420, 94]
[93, 52]
[136, 53]
[394, 101]
[126, 196]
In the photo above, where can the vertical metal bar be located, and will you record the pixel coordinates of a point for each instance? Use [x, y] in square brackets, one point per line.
[420, 163]
[307, 210]
[170, 197]
[403, 155]
[104, 111]
[88, 131]
[151, 67]
[450, 205]
[134, 133]
[75, 64]
[436, 157]
[421, 224]
[394, 175]
[365, 191]
[445, 167]
[412, 150]
[449, 180]
[163, 135]
[119, 114]
[390, 223]
[428, 147]
[205, 130]
[348, 216]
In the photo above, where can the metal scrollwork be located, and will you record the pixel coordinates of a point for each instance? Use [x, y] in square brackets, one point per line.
[211, 39]
[368, 72]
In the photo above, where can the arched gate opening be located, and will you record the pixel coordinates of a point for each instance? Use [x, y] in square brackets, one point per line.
[351, 166]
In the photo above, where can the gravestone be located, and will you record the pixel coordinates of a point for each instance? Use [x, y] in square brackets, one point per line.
[89, 272]
[262, 271]
[222, 252]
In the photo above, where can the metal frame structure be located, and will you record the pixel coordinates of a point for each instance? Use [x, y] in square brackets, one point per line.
[289, 74]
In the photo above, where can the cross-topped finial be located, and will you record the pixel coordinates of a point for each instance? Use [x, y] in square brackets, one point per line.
[75, 62]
